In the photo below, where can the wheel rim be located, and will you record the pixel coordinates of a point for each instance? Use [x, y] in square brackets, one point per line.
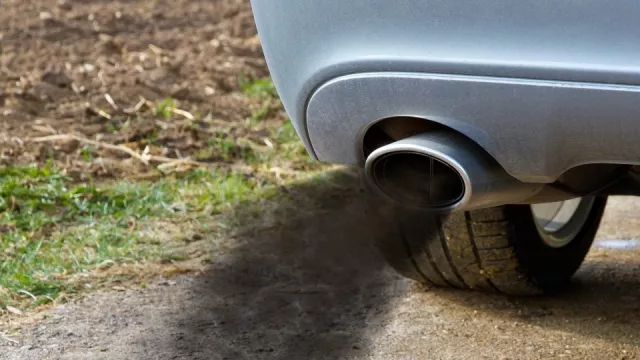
[560, 222]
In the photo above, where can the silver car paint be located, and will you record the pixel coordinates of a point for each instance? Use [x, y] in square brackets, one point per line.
[535, 129]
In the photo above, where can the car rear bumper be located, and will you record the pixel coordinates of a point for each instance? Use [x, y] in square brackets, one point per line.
[542, 86]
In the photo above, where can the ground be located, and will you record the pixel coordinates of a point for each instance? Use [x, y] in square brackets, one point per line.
[156, 204]
[316, 289]
[129, 130]
[114, 71]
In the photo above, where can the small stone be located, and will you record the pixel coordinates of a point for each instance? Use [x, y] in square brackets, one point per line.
[45, 15]
[105, 37]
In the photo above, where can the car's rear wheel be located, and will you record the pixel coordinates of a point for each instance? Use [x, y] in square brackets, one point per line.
[514, 249]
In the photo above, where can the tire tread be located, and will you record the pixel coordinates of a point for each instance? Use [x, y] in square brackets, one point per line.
[481, 256]
[479, 250]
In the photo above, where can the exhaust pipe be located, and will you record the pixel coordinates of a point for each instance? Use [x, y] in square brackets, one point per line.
[443, 171]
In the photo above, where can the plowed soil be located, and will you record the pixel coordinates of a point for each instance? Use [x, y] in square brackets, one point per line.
[98, 69]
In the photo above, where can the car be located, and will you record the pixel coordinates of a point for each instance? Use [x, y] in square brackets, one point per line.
[491, 132]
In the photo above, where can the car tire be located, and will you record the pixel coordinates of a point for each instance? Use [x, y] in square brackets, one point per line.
[501, 249]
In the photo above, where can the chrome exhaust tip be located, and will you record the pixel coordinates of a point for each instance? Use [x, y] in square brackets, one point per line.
[418, 179]
[442, 171]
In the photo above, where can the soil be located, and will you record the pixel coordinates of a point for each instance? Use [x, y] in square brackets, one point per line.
[97, 69]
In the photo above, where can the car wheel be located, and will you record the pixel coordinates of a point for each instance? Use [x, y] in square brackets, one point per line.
[513, 249]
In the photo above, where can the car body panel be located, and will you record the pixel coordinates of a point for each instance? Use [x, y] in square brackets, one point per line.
[535, 129]
[587, 48]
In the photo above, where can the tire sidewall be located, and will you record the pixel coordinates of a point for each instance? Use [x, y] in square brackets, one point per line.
[547, 266]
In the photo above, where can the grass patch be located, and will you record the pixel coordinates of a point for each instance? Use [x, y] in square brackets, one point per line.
[222, 146]
[164, 108]
[54, 230]
[258, 88]
[51, 229]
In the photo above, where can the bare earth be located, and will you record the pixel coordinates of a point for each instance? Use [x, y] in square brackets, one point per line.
[316, 289]
[98, 69]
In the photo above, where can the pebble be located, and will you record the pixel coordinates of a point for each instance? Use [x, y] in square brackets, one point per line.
[45, 15]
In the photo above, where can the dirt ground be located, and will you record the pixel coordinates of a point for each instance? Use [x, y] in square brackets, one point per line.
[99, 69]
[316, 289]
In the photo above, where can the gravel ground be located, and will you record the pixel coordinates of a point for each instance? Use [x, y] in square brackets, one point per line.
[316, 289]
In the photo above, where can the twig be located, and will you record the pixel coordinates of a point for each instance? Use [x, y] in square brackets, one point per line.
[9, 339]
[44, 129]
[137, 107]
[111, 102]
[101, 77]
[176, 165]
[184, 113]
[144, 158]
[158, 52]
[92, 142]
[155, 49]
[102, 113]
[252, 144]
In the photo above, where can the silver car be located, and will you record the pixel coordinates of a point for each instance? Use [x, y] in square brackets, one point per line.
[495, 130]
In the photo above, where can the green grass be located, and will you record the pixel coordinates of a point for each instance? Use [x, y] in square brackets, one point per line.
[258, 88]
[51, 228]
[54, 230]
[222, 146]
[164, 108]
